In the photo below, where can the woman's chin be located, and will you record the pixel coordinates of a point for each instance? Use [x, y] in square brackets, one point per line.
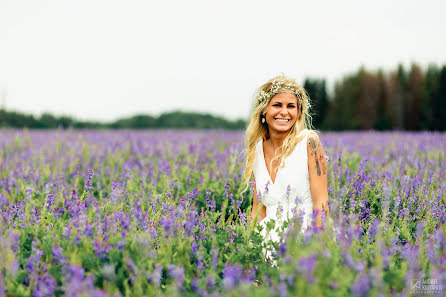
[281, 128]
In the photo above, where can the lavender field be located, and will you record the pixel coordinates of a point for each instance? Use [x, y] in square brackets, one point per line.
[159, 213]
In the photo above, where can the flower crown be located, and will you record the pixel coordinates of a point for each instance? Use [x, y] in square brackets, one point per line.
[277, 85]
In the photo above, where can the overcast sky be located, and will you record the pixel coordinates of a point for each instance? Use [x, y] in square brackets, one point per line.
[101, 60]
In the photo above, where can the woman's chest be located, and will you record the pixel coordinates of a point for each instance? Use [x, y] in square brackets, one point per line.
[293, 173]
[271, 164]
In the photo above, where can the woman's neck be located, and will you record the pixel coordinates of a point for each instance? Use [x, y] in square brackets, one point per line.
[277, 140]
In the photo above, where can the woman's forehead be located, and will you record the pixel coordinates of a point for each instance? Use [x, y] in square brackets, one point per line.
[284, 98]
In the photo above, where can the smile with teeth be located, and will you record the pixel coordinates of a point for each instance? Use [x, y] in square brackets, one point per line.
[281, 120]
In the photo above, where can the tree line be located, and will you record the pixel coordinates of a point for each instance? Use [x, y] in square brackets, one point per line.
[402, 99]
[174, 119]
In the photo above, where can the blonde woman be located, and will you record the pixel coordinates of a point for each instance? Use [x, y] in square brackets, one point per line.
[285, 159]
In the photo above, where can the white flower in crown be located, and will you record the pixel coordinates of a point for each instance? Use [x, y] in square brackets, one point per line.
[277, 85]
[263, 96]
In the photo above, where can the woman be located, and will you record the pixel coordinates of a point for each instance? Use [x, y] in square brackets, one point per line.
[278, 134]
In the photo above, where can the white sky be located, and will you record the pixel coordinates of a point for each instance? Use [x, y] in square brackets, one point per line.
[100, 60]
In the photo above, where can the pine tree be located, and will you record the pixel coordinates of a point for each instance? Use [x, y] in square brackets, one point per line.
[316, 89]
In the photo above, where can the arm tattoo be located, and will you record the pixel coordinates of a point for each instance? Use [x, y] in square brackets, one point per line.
[316, 151]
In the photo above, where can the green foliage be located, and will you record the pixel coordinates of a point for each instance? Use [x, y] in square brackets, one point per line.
[317, 91]
[169, 120]
[342, 114]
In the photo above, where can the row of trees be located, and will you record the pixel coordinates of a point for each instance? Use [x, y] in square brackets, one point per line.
[403, 99]
[178, 119]
[175, 119]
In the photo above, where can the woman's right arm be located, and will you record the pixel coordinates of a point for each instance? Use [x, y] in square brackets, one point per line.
[255, 206]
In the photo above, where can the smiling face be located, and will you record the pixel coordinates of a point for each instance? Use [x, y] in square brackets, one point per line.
[281, 113]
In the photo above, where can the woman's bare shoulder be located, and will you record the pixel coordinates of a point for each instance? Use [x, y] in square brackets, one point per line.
[307, 133]
[313, 140]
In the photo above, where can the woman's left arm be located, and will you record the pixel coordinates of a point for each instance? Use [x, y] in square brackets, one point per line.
[317, 170]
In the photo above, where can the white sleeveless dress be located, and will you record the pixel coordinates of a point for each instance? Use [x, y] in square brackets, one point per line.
[289, 194]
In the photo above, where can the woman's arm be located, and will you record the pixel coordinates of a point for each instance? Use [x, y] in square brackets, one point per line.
[317, 170]
[255, 206]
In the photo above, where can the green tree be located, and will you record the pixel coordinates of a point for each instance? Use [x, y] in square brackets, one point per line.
[135, 122]
[383, 119]
[429, 98]
[341, 114]
[415, 86]
[316, 89]
[47, 120]
[367, 103]
[439, 102]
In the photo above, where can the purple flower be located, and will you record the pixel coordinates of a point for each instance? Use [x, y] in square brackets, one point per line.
[373, 228]
[259, 196]
[358, 232]
[88, 182]
[190, 224]
[297, 200]
[3, 201]
[46, 286]
[231, 275]
[214, 253]
[348, 260]
[250, 276]
[77, 284]
[194, 284]
[13, 240]
[194, 247]
[177, 272]
[283, 290]
[121, 244]
[88, 230]
[67, 231]
[267, 187]
[282, 249]
[166, 222]
[307, 265]
[105, 225]
[156, 275]
[242, 216]
[34, 262]
[199, 265]
[288, 191]
[76, 272]
[102, 249]
[153, 233]
[410, 253]
[208, 201]
[50, 200]
[359, 265]
[439, 238]
[13, 268]
[210, 282]
[58, 255]
[361, 286]
[279, 210]
[326, 253]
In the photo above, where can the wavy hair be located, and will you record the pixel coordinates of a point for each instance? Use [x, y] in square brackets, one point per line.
[257, 130]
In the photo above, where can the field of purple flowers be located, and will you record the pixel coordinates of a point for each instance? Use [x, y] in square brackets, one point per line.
[159, 213]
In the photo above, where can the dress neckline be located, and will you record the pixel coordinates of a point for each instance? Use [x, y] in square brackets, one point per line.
[266, 167]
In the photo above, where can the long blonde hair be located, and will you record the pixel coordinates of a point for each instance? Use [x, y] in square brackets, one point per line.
[256, 130]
